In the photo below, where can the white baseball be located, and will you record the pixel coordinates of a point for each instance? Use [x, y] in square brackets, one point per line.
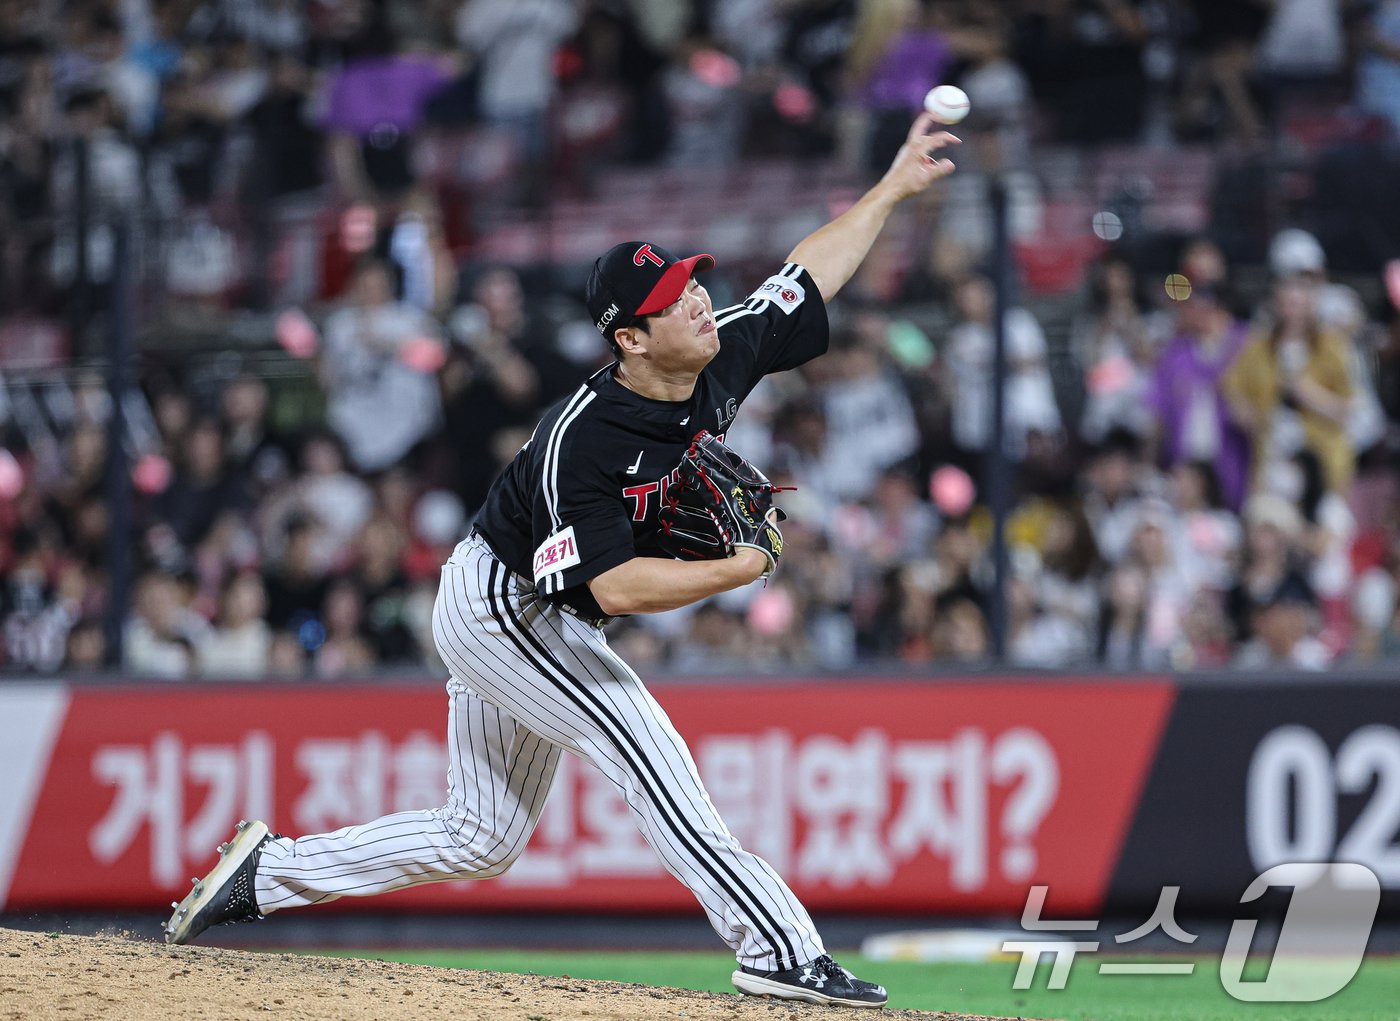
[948, 103]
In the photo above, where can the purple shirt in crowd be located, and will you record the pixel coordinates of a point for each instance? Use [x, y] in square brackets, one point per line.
[369, 94]
[914, 64]
[1183, 370]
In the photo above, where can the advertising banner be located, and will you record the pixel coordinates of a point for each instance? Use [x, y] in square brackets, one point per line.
[865, 795]
[1252, 774]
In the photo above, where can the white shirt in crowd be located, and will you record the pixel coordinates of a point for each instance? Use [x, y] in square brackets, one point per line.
[378, 405]
[235, 652]
[870, 426]
[1030, 398]
[515, 41]
[1303, 37]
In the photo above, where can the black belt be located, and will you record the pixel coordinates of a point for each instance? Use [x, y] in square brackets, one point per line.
[597, 622]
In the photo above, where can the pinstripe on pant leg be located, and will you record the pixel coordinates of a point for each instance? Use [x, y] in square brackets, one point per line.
[499, 776]
[632, 700]
[540, 681]
[627, 698]
[610, 718]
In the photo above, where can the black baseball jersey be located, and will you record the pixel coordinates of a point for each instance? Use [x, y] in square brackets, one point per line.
[582, 495]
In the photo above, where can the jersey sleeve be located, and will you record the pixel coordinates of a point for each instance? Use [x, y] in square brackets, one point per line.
[781, 325]
[581, 521]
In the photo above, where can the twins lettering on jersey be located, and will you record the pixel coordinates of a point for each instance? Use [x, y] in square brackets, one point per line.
[640, 496]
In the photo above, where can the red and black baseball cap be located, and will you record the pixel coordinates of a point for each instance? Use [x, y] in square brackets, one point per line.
[636, 278]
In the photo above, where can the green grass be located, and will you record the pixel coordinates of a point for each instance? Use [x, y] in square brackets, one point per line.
[1374, 995]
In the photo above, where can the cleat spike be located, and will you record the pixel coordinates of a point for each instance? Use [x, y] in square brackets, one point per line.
[174, 903]
[194, 880]
[243, 825]
[198, 888]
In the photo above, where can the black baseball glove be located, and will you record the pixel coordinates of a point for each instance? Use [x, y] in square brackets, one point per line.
[720, 503]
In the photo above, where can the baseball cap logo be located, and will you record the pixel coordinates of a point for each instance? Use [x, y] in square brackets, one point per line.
[605, 320]
[638, 278]
[646, 254]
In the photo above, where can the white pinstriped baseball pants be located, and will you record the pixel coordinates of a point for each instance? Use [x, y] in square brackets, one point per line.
[529, 680]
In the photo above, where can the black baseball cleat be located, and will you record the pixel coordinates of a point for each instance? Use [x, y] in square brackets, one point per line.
[226, 893]
[822, 981]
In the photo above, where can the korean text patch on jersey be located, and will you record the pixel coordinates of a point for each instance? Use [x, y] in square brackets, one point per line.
[557, 553]
[785, 292]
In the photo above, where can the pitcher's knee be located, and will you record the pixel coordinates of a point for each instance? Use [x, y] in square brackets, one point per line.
[499, 855]
[478, 852]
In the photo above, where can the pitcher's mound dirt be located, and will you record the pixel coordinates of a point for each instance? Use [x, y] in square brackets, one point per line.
[115, 979]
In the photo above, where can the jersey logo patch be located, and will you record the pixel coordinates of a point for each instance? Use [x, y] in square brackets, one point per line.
[784, 292]
[636, 465]
[557, 553]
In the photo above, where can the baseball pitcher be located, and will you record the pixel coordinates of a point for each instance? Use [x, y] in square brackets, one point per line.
[624, 501]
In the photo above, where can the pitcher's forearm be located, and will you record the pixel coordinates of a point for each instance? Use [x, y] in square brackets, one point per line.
[832, 253]
[652, 585]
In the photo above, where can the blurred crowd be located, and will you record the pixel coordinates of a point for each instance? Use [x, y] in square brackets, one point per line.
[1224, 492]
[226, 119]
[1204, 470]
[1219, 489]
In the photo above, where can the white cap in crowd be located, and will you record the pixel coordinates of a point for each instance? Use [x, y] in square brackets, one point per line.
[1294, 250]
